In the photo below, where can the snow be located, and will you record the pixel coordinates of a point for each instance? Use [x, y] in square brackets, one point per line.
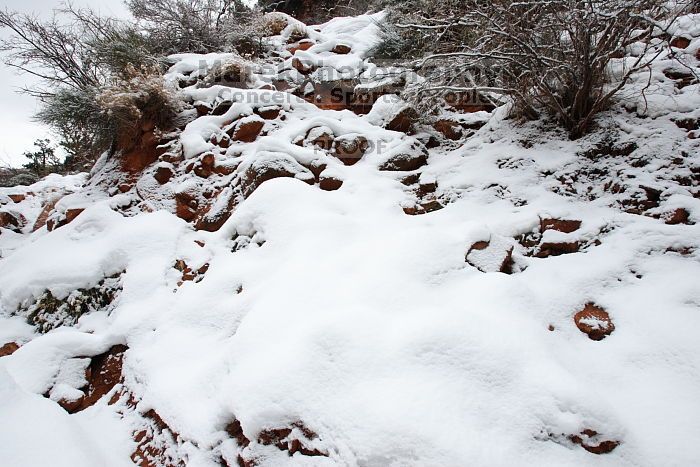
[339, 310]
[36, 431]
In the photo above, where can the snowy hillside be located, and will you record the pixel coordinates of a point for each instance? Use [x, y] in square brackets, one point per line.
[285, 280]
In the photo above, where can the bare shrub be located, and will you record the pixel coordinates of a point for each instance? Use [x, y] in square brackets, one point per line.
[199, 26]
[313, 12]
[561, 57]
[141, 97]
[74, 54]
[232, 72]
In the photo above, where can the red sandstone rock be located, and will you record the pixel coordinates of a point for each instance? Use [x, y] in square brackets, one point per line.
[301, 45]
[341, 49]
[18, 198]
[560, 225]
[449, 129]
[590, 441]
[8, 349]
[12, 220]
[104, 372]
[328, 183]
[403, 121]
[350, 149]
[495, 255]
[185, 206]
[594, 321]
[321, 137]
[301, 66]
[405, 162]
[270, 113]
[248, 131]
[680, 42]
[71, 406]
[678, 216]
[292, 439]
[45, 212]
[261, 171]
[548, 249]
[202, 108]
[163, 174]
[68, 217]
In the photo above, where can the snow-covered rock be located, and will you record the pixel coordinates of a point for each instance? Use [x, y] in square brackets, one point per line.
[272, 303]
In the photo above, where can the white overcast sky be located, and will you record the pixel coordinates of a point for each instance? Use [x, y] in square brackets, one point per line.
[17, 130]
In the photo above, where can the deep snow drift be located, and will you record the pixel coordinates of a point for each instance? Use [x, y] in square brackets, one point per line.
[424, 312]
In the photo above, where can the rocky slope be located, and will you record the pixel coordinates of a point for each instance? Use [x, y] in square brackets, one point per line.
[292, 278]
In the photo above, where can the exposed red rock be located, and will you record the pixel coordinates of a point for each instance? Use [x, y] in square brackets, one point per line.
[333, 95]
[678, 216]
[287, 439]
[680, 42]
[320, 137]
[71, 406]
[682, 76]
[185, 206]
[235, 431]
[202, 108]
[257, 174]
[45, 213]
[328, 183]
[405, 162]
[17, 198]
[8, 349]
[139, 150]
[11, 220]
[270, 113]
[222, 107]
[560, 225]
[548, 249]
[498, 259]
[403, 121]
[589, 440]
[423, 208]
[341, 49]
[104, 372]
[301, 66]
[594, 321]
[163, 174]
[152, 443]
[448, 128]
[350, 149]
[188, 274]
[301, 45]
[427, 188]
[68, 217]
[248, 131]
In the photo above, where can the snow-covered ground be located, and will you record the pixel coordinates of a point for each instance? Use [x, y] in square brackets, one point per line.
[336, 321]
